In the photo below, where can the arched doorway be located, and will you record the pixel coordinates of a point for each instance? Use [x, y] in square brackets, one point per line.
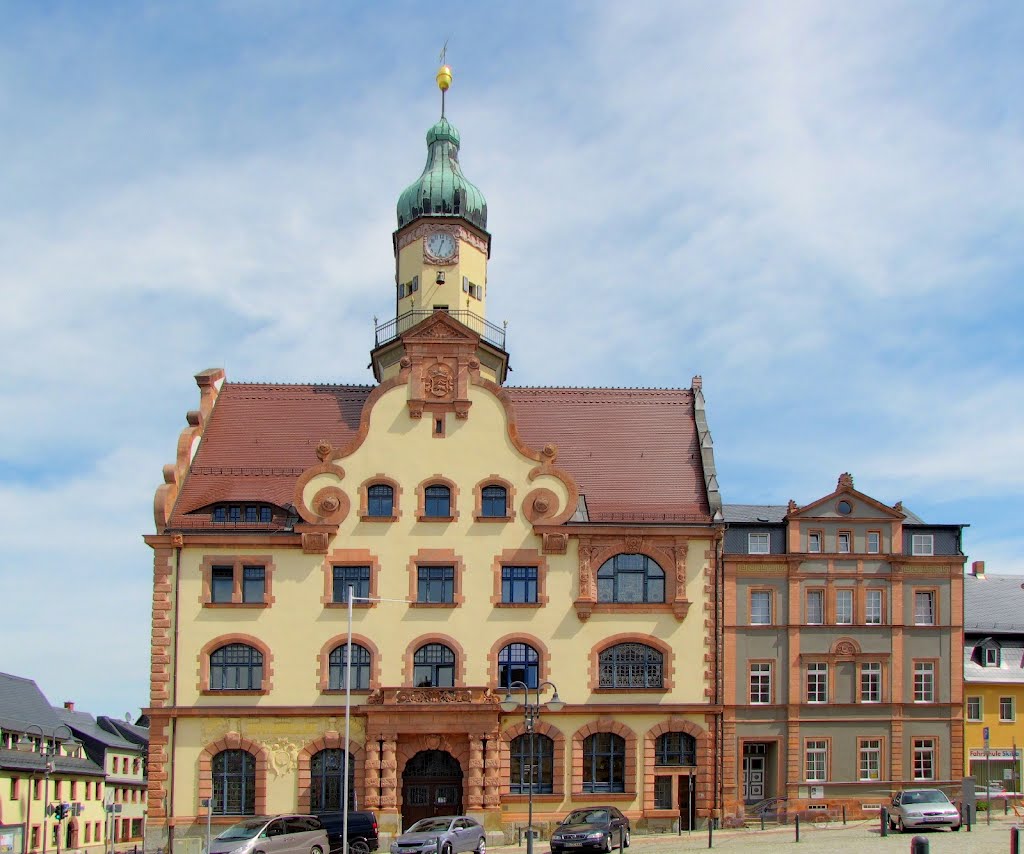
[431, 785]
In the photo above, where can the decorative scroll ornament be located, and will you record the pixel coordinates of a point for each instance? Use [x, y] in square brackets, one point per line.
[323, 450]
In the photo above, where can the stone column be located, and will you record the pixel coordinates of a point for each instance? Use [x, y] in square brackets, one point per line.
[389, 776]
[475, 778]
[371, 775]
[492, 773]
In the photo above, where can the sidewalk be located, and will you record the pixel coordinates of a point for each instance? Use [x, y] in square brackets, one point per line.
[853, 838]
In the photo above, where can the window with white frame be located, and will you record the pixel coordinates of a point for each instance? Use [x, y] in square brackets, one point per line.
[1006, 710]
[843, 542]
[974, 709]
[924, 758]
[924, 608]
[991, 656]
[816, 761]
[817, 682]
[761, 608]
[815, 607]
[870, 764]
[760, 683]
[874, 542]
[814, 541]
[922, 545]
[873, 607]
[924, 682]
[758, 544]
[871, 682]
[844, 606]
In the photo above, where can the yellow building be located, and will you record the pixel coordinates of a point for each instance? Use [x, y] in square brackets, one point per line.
[491, 537]
[994, 678]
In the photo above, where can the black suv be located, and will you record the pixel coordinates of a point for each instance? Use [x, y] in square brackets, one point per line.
[362, 830]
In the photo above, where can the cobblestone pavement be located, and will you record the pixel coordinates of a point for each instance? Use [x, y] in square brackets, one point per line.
[856, 837]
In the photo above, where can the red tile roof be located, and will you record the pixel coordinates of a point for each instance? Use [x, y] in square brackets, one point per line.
[634, 452]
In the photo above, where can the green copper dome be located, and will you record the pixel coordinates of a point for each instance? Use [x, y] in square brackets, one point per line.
[442, 189]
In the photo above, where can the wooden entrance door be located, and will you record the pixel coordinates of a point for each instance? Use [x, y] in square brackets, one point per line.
[431, 785]
[687, 802]
[753, 773]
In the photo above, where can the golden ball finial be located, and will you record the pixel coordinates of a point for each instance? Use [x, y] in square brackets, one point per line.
[444, 78]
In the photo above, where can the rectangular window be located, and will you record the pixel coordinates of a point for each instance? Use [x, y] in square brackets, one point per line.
[56, 790]
[758, 544]
[74, 790]
[356, 577]
[814, 541]
[974, 709]
[760, 683]
[252, 513]
[436, 584]
[991, 656]
[924, 608]
[37, 789]
[924, 758]
[222, 583]
[1006, 710]
[816, 761]
[874, 542]
[35, 836]
[873, 608]
[254, 584]
[663, 793]
[817, 682]
[518, 584]
[870, 759]
[922, 544]
[235, 514]
[844, 607]
[761, 608]
[15, 789]
[924, 682]
[815, 607]
[871, 682]
[843, 542]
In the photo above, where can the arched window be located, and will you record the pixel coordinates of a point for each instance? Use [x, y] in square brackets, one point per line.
[518, 662]
[234, 783]
[541, 762]
[604, 763]
[675, 748]
[437, 501]
[360, 668]
[630, 578]
[631, 665]
[433, 667]
[380, 500]
[494, 501]
[236, 667]
[326, 784]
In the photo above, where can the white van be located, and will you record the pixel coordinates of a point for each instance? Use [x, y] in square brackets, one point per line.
[277, 834]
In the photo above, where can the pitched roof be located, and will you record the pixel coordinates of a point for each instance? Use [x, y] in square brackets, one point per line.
[766, 514]
[1010, 669]
[85, 726]
[23, 706]
[635, 453]
[994, 604]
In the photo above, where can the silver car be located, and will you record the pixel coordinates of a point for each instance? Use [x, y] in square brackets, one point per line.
[280, 834]
[450, 834]
[914, 808]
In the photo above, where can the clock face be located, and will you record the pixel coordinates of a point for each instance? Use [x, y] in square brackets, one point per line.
[441, 244]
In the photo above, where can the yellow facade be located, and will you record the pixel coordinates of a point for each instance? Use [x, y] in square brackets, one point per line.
[23, 799]
[1006, 734]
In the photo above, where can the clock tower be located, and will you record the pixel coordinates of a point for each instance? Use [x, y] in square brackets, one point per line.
[441, 250]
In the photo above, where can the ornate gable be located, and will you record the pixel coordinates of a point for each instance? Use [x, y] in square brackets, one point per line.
[440, 359]
[828, 505]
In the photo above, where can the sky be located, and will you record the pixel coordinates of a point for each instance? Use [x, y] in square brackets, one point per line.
[817, 207]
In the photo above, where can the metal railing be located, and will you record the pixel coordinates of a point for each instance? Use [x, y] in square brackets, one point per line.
[391, 329]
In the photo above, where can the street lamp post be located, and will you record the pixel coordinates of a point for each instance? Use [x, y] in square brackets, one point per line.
[48, 751]
[531, 714]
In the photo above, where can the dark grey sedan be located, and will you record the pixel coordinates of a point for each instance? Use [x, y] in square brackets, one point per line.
[454, 834]
[600, 828]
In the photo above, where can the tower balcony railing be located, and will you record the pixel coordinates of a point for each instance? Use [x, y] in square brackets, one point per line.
[391, 329]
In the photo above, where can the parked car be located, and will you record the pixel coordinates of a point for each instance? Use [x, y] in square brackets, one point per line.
[362, 830]
[602, 828]
[277, 834]
[913, 808]
[454, 833]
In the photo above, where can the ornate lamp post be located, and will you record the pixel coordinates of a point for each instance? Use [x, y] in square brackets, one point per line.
[48, 752]
[531, 714]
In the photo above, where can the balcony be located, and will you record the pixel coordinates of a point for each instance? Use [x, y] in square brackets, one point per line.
[391, 329]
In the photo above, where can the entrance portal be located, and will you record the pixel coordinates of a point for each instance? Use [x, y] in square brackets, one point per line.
[431, 785]
[754, 772]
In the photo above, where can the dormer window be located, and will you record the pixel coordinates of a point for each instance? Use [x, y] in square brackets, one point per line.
[991, 656]
[237, 514]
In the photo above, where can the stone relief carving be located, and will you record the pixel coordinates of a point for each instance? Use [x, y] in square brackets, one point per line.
[439, 381]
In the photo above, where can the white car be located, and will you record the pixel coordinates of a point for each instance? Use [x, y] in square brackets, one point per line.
[914, 808]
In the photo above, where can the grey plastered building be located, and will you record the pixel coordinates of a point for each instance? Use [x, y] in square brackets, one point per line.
[842, 631]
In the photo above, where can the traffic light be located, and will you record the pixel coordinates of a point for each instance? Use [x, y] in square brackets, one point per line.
[61, 811]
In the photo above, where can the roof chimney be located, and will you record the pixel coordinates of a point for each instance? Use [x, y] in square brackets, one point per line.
[978, 569]
[69, 705]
